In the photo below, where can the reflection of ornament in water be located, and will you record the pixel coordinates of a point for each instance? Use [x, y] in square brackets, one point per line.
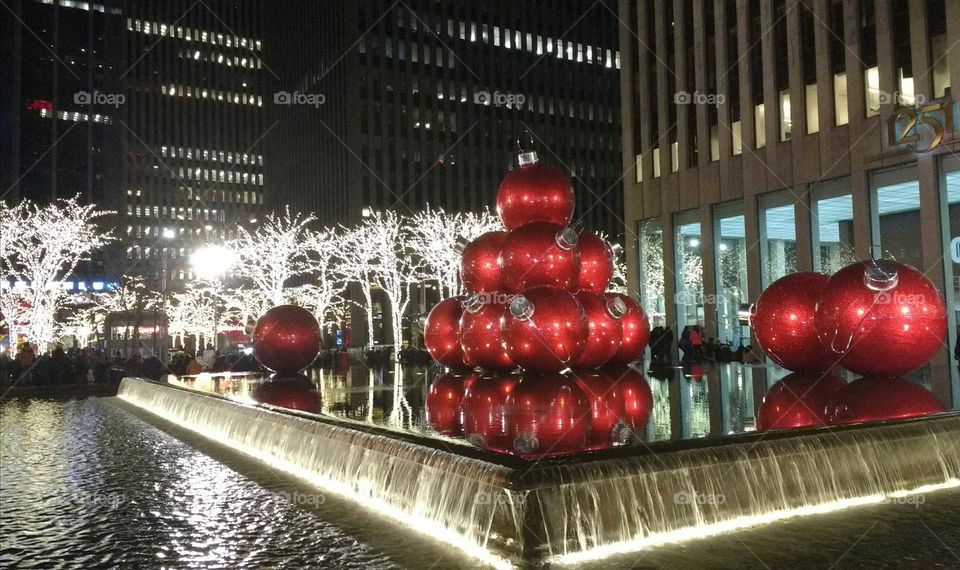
[290, 392]
[548, 413]
[637, 398]
[881, 318]
[876, 399]
[798, 400]
[443, 403]
[607, 409]
[287, 339]
[485, 417]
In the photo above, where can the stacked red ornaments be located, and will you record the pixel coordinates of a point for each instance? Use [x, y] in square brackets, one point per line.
[537, 291]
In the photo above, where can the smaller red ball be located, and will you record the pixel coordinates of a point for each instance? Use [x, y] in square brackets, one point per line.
[443, 404]
[442, 333]
[287, 339]
[549, 414]
[480, 335]
[539, 254]
[798, 400]
[873, 399]
[535, 193]
[783, 322]
[544, 330]
[636, 331]
[603, 319]
[479, 263]
[596, 264]
[485, 416]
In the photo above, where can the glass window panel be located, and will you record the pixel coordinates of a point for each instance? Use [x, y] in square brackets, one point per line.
[896, 227]
[652, 295]
[950, 203]
[778, 237]
[832, 226]
[689, 269]
[731, 266]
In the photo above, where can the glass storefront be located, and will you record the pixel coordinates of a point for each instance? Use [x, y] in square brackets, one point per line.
[895, 227]
[652, 295]
[689, 273]
[778, 236]
[831, 208]
[730, 252]
[950, 206]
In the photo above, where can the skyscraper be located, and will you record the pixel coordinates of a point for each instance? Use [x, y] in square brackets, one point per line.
[397, 105]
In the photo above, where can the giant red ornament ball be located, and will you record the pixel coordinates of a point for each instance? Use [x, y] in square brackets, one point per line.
[480, 335]
[603, 319]
[479, 263]
[596, 263]
[293, 393]
[286, 339]
[606, 409]
[444, 400]
[880, 398]
[548, 414]
[485, 417]
[783, 322]
[540, 254]
[441, 334]
[799, 400]
[535, 192]
[636, 331]
[544, 330]
[881, 318]
[637, 397]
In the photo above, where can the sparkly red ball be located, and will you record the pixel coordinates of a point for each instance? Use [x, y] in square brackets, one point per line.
[637, 398]
[480, 335]
[485, 417]
[596, 263]
[881, 318]
[441, 334]
[799, 400]
[293, 393]
[603, 320]
[540, 254]
[783, 322]
[544, 330]
[876, 399]
[535, 193]
[444, 400]
[606, 409]
[636, 331]
[549, 414]
[479, 263]
[286, 339]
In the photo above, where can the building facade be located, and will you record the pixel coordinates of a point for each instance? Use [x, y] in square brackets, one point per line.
[404, 105]
[772, 137]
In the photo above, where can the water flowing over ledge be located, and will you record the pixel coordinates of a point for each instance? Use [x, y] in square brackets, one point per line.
[583, 507]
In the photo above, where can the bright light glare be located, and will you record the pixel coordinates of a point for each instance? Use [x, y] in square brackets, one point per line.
[168, 233]
[212, 261]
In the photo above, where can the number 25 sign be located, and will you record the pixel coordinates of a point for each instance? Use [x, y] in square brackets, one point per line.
[922, 129]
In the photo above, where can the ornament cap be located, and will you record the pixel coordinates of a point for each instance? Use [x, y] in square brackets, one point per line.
[616, 307]
[567, 238]
[744, 313]
[474, 303]
[461, 244]
[521, 308]
[880, 275]
[525, 153]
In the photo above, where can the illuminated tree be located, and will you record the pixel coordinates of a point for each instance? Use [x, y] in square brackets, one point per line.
[40, 247]
[196, 312]
[272, 254]
[324, 296]
[358, 253]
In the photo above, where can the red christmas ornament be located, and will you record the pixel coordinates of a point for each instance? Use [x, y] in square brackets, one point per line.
[480, 335]
[596, 263]
[293, 393]
[783, 321]
[479, 263]
[287, 339]
[636, 331]
[881, 318]
[799, 400]
[603, 319]
[637, 398]
[485, 412]
[880, 398]
[607, 409]
[535, 192]
[444, 400]
[544, 330]
[442, 332]
[549, 414]
[540, 254]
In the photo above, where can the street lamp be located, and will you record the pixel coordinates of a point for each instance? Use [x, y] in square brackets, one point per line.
[212, 261]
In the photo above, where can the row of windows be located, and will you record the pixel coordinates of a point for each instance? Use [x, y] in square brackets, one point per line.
[220, 58]
[156, 231]
[191, 34]
[226, 176]
[213, 94]
[177, 213]
[211, 195]
[89, 6]
[76, 117]
[225, 156]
